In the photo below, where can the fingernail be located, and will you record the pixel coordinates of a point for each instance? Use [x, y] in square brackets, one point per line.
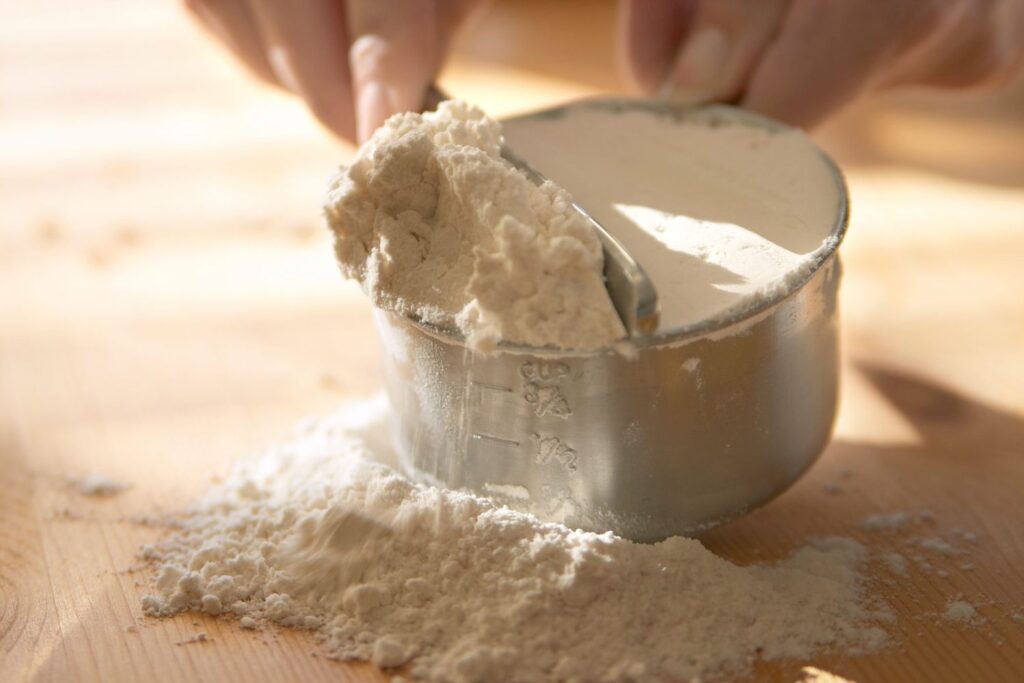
[699, 68]
[374, 107]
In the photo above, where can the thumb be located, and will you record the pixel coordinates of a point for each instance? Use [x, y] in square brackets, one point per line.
[393, 57]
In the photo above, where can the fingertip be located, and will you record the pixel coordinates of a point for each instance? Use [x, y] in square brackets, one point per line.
[373, 107]
[725, 42]
[324, 96]
[342, 129]
[700, 71]
[367, 58]
[232, 23]
[390, 76]
[308, 54]
[648, 33]
[333, 110]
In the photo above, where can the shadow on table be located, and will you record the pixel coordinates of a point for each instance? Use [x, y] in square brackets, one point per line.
[967, 459]
[965, 468]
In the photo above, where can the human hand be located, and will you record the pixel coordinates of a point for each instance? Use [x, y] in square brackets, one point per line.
[354, 62]
[801, 60]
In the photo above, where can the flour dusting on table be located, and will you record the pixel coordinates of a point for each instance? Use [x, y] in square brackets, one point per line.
[321, 533]
[99, 485]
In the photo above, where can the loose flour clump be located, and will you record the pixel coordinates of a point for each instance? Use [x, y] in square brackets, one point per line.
[961, 611]
[815, 675]
[98, 485]
[320, 533]
[435, 223]
[892, 522]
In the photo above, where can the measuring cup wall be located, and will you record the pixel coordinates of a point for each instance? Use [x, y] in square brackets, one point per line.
[687, 434]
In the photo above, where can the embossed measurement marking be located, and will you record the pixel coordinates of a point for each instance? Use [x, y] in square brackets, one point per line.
[486, 388]
[490, 437]
[541, 389]
[492, 387]
[546, 400]
[543, 371]
[551, 448]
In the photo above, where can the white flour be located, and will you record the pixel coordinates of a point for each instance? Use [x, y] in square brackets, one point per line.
[317, 534]
[961, 611]
[720, 214]
[937, 545]
[815, 675]
[887, 522]
[98, 485]
[434, 223]
[897, 563]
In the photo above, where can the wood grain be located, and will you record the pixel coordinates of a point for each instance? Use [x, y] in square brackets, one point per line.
[168, 304]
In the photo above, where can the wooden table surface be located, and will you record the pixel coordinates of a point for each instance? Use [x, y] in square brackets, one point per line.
[169, 304]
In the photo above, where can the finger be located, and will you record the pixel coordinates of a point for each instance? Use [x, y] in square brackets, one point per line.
[393, 57]
[719, 54]
[233, 24]
[307, 48]
[451, 14]
[649, 32]
[825, 55]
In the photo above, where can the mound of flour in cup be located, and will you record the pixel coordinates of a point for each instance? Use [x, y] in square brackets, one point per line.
[322, 533]
[435, 224]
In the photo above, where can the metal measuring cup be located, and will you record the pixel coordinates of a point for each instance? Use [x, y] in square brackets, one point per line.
[697, 427]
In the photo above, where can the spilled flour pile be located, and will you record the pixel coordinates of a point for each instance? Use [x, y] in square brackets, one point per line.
[320, 533]
[436, 224]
